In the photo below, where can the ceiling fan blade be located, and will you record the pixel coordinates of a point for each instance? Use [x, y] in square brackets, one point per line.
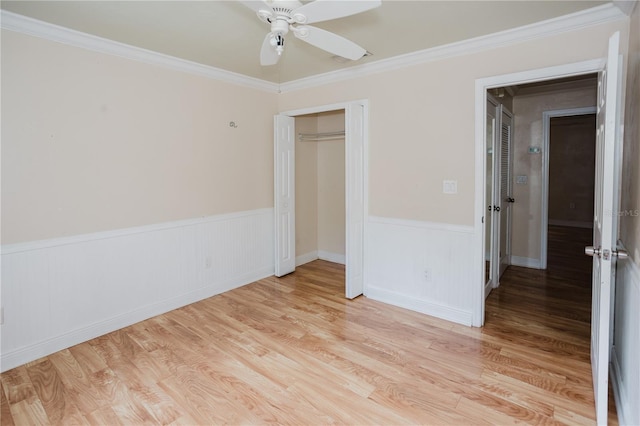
[257, 5]
[324, 10]
[330, 42]
[268, 55]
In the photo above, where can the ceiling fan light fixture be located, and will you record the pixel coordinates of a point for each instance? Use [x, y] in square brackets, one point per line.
[277, 41]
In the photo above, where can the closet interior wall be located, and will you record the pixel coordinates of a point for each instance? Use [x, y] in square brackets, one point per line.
[320, 189]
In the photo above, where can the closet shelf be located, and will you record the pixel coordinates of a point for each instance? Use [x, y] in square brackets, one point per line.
[326, 136]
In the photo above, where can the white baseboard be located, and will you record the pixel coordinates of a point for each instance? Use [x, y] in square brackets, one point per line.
[625, 370]
[332, 257]
[423, 306]
[525, 262]
[61, 292]
[306, 258]
[320, 254]
[571, 223]
[619, 393]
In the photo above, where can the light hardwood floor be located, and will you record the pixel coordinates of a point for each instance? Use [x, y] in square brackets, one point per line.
[295, 351]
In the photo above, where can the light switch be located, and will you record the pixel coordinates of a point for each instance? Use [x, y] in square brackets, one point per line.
[521, 180]
[450, 186]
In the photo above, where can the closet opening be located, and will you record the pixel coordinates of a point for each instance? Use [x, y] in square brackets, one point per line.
[320, 209]
[320, 189]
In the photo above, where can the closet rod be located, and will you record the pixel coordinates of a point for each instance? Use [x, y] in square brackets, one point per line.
[320, 136]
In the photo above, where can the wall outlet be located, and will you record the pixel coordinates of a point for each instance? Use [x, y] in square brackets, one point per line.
[208, 262]
[427, 275]
[449, 186]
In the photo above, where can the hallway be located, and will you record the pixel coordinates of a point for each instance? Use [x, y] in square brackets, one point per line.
[547, 313]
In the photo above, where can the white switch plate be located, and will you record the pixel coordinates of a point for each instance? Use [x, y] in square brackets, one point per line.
[521, 180]
[450, 186]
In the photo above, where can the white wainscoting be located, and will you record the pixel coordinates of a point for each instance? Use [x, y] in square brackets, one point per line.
[626, 350]
[422, 266]
[60, 292]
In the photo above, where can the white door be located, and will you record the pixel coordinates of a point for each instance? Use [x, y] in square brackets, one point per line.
[284, 199]
[605, 224]
[354, 163]
[506, 199]
[490, 218]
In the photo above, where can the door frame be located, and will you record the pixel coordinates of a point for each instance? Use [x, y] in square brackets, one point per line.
[546, 144]
[481, 87]
[363, 203]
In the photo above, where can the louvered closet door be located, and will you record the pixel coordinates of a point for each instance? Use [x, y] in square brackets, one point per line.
[506, 193]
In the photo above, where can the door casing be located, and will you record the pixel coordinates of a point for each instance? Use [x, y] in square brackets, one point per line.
[481, 87]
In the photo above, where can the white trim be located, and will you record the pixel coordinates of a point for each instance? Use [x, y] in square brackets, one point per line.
[593, 16]
[525, 262]
[116, 233]
[429, 308]
[25, 354]
[481, 86]
[33, 27]
[306, 258]
[433, 226]
[619, 393]
[571, 223]
[620, 384]
[546, 143]
[626, 6]
[332, 257]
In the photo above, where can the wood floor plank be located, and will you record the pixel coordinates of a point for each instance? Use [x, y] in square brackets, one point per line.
[5, 412]
[29, 413]
[294, 350]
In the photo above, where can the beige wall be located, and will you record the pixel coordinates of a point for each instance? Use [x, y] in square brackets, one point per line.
[422, 121]
[306, 187]
[572, 152]
[527, 110]
[630, 208]
[93, 142]
[331, 186]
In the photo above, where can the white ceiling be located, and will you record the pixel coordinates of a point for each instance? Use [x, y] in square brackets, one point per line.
[228, 35]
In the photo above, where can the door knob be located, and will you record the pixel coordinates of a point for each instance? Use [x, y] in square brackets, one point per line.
[620, 254]
[496, 208]
[590, 251]
[510, 200]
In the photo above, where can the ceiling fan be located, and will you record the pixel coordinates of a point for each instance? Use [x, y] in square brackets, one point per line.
[292, 15]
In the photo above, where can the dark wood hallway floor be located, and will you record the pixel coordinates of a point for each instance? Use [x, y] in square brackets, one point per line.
[548, 312]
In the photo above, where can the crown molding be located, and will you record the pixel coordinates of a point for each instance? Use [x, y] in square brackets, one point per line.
[33, 27]
[626, 6]
[593, 16]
